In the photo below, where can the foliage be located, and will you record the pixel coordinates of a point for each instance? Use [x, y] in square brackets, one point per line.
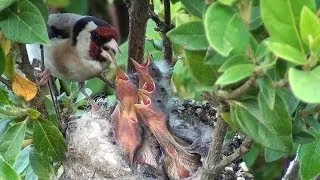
[219, 47]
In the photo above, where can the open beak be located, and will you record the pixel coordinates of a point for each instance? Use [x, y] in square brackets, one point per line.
[141, 68]
[121, 75]
[149, 84]
[143, 97]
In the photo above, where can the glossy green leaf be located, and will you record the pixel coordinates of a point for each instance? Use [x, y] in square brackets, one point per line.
[309, 25]
[282, 23]
[233, 61]
[248, 119]
[40, 164]
[272, 155]
[7, 172]
[205, 74]
[287, 52]
[33, 114]
[190, 36]
[48, 140]
[25, 26]
[11, 142]
[4, 98]
[2, 61]
[290, 100]
[267, 90]
[3, 126]
[305, 84]
[22, 161]
[235, 74]
[195, 7]
[42, 7]
[255, 20]
[225, 30]
[58, 3]
[310, 159]
[227, 2]
[5, 3]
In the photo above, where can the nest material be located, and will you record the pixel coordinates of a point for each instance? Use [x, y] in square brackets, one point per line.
[93, 153]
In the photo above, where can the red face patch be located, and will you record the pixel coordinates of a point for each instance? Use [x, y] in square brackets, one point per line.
[94, 51]
[107, 32]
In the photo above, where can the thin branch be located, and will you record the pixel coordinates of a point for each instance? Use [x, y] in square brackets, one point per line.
[292, 172]
[281, 83]
[6, 82]
[313, 110]
[227, 160]
[240, 90]
[215, 152]
[164, 27]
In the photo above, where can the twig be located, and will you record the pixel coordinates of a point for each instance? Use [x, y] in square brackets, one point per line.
[6, 82]
[292, 172]
[313, 110]
[240, 90]
[164, 27]
[227, 160]
[215, 152]
[281, 83]
[138, 17]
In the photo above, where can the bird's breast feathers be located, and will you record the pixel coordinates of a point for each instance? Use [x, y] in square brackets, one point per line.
[65, 63]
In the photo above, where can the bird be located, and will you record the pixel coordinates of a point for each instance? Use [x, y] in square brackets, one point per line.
[81, 48]
[126, 127]
[179, 161]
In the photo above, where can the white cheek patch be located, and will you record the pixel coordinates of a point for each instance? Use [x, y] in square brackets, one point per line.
[112, 44]
[83, 40]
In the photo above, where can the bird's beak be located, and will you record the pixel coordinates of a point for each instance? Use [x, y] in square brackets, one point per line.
[143, 97]
[141, 68]
[149, 84]
[108, 54]
[121, 75]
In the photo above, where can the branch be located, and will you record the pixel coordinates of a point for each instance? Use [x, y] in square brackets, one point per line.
[6, 82]
[281, 83]
[215, 152]
[227, 160]
[240, 90]
[292, 172]
[138, 17]
[164, 27]
[313, 110]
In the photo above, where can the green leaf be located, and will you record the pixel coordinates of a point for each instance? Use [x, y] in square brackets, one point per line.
[225, 30]
[40, 164]
[33, 114]
[11, 142]
[6, 171]
[5, 3]
[248, 118]
[78, 7]
[287, 52]
[42, 7]
[255, 20]
[233, 61]
[205, 74]
[4, 98]
[25, 26]
[190, 36]
[235, 74]
[48, 140]
[290, 100]
[227, 2]
[309, 25]
[282, 23]
[30, 175]
[272, 155]
[2, 61]
[22, 161]
[3, 126]
[195, 7]
[58, 3]
[267, 90]
[305, 84]
[310, 159]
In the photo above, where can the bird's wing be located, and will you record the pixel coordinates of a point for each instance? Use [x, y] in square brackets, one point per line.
[61, 25]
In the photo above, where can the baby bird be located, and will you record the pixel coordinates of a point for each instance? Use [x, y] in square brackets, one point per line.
[126, 127]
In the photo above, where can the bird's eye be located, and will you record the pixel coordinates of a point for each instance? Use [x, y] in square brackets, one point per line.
[162, 89]
[95, 36]
[159, 101]
[153, 69]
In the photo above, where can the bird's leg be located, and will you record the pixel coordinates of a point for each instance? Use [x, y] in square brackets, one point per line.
[92, 102]
[44, 77]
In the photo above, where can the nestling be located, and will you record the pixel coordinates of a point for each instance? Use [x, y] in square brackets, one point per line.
[81, 47]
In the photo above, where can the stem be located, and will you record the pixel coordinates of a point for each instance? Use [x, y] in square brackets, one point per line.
[313, 110]
[167, 47]
[6, 82]
[215, 153]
